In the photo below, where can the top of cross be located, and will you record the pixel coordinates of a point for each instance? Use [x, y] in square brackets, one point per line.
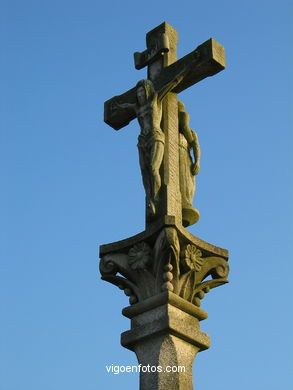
[160, 57]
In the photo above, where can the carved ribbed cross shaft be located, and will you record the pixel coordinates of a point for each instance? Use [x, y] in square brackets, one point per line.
[158, 118]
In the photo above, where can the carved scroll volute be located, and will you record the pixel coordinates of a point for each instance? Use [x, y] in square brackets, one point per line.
[147, 270]
[136, 279]
[217, 267]
[114, 263]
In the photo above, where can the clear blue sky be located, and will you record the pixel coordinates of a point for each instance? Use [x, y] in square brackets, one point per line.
[70, 183]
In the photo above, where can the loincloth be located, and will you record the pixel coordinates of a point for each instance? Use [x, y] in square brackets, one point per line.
[146, 141]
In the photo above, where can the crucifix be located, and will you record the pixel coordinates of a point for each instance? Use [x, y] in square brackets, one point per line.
[165, 270]
[166, 169]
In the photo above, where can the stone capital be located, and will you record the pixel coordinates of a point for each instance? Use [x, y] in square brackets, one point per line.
[165, 257]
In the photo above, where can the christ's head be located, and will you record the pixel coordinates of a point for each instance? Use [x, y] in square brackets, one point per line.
[144, 91]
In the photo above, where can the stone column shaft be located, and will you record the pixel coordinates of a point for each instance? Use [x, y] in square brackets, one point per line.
[165, 336]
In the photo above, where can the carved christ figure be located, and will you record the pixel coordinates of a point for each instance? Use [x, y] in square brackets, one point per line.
[189, 165]
[151, 140]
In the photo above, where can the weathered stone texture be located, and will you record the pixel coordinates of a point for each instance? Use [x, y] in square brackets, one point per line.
[165, 270]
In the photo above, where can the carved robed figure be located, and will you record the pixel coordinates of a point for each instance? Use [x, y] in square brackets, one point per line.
[189, 164]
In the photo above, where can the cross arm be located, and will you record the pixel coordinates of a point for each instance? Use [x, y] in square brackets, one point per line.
[118, 117]
[206, 60]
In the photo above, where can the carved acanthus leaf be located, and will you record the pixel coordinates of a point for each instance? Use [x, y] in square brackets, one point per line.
[192, 287]
[187, 283]
[148, 268]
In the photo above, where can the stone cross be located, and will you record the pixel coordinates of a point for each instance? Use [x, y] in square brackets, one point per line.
[165, 270]
[159, 120]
